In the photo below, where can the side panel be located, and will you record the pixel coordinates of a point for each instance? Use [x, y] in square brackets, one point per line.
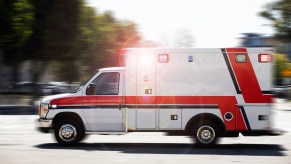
[131, 118]
[258, 116]
[206, 75]
[263, 71]
[170, 118]
[202, 77]
[146, 118]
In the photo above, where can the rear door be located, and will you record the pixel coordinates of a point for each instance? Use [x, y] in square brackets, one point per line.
[102, 105]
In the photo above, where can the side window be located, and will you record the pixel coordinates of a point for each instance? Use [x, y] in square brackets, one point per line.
[105, 84]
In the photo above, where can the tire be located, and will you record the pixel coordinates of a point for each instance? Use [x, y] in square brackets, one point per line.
[206, 134]
[68, 132]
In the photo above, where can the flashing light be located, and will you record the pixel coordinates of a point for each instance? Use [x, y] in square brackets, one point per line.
[265, 58]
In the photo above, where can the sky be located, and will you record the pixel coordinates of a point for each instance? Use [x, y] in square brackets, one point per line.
[211, 23]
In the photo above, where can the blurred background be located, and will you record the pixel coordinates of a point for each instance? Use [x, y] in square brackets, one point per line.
[50, 46]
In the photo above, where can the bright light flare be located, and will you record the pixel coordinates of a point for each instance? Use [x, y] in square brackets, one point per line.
[146, 60]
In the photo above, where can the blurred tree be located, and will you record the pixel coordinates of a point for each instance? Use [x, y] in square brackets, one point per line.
[16, 18]
[99, 39]
[116, 35]
[61, 36]
[69, 35]
[279, 13]
[89, 41]
[56, 28]
[35, 45]
[280, 64]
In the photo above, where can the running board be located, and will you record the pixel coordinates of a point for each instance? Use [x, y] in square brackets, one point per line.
[107, 133]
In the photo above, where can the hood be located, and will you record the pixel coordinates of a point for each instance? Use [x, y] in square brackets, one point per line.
[47, 99]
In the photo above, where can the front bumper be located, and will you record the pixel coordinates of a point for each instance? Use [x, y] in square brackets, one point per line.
[44, 125]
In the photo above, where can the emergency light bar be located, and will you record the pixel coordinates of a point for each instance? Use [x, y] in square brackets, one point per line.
[264, 58]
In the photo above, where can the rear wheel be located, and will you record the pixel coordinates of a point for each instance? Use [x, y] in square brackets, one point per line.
[206, 134]
[68, 132]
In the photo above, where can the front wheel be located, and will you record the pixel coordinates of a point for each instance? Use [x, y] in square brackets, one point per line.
[68, 132]
[206, 134]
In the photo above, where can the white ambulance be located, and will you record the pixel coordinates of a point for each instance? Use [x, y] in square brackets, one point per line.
[203, 93]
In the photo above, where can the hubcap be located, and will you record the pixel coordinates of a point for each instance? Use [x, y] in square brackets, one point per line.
[67, 132]
[205, 134]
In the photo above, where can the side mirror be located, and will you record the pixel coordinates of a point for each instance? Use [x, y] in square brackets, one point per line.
[90, 89]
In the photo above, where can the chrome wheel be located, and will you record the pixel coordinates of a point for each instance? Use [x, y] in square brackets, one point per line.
[67, 132]
[205, 134]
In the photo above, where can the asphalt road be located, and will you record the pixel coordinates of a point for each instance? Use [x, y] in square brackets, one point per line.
[21, 143]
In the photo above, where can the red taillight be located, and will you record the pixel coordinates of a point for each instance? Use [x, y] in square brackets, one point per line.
[265, 58]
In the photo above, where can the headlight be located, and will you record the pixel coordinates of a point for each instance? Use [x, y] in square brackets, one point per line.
[43, 110]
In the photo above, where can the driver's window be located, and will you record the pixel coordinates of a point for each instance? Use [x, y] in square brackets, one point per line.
[105, 84]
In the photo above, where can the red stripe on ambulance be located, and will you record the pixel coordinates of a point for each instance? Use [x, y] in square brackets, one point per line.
[246, 78]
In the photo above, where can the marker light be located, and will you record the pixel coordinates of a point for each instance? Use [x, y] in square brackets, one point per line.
[264, 58]
[163, 58]
[241, 58]
[43, 110]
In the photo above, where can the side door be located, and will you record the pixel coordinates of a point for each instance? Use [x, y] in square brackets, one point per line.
[146, 113]
[102, 103]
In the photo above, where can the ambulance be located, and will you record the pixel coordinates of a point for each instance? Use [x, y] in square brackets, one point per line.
[202, 93]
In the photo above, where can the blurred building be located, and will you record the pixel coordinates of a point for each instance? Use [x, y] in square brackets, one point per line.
[259, 40]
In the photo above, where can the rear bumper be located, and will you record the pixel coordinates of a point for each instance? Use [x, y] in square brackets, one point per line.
[273, 132]
[44, 125]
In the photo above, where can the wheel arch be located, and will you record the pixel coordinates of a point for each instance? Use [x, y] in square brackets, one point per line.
[68, 115]
[205, 117]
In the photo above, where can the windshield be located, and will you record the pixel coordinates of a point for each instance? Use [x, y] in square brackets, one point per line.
[83, 83]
